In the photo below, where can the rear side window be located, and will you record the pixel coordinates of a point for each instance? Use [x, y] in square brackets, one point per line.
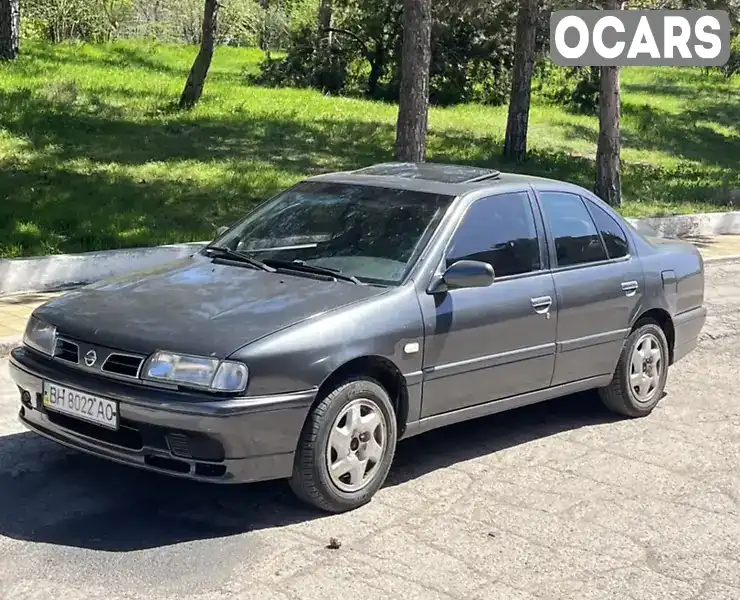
[577, 241]
[499, 230]
[612, 234]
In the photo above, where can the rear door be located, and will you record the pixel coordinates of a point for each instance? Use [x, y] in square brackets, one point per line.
[599, 284]
[483, 344]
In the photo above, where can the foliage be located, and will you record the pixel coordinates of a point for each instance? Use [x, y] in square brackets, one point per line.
[300, 13]
[60, 20]
[732, 67]
[576, 88]
[472, 52]
[307, 65]
[241, 22]
[92, 158]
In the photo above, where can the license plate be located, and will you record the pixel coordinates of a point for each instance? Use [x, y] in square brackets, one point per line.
[81, 405]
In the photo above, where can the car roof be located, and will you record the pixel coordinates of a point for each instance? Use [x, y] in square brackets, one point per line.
[437, 178]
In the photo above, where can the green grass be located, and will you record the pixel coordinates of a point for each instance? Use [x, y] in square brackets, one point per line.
[92, 156]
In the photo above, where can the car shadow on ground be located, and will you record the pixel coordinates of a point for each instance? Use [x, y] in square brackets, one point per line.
[55, 496]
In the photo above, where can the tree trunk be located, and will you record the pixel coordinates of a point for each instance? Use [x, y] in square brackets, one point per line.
[515, 144]
[608, 171]
[413, 108]
[10, 28]
[326, 17]
[263, 41]
[377, 64]
[197, 77]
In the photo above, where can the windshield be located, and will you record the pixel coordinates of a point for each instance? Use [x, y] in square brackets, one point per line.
[372, 233]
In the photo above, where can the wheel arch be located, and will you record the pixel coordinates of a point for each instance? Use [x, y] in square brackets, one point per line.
[663, 318]
[382, 370]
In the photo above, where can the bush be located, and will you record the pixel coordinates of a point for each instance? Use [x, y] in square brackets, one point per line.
[472, 52]
[240, 23]
[307, 65]
[301, 14]
[472, 59]
[576, 88]
[61, 20]
[32, 29]
[732, 67]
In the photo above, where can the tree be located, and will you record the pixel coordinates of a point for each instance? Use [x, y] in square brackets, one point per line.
[197, 77]
[326, 18]
[413, 108]
[10, 26]
[608, 170]
[515, 143]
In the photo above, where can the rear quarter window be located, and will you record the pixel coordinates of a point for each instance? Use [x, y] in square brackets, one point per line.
[611, 232]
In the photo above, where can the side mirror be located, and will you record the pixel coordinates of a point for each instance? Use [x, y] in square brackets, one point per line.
[221, 230]
[464, 274]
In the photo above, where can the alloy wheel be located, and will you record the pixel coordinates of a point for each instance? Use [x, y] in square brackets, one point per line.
[646, 368]
[357, 444]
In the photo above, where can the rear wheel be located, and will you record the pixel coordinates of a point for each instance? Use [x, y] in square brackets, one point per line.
[640, 377]
[346, 447]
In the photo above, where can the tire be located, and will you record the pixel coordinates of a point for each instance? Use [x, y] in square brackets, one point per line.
[621, 396]
[330, 426]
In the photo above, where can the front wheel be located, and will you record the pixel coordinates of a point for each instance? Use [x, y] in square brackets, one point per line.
[346, 447]
[640, 377]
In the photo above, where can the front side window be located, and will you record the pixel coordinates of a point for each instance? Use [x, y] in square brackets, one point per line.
[576, 239]
[372, 233]
[612, 234]
[501, 231]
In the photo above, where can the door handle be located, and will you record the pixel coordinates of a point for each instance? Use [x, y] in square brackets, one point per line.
[542, 304]
[630, 287]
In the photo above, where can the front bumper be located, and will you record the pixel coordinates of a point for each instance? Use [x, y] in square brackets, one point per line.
[235, 440]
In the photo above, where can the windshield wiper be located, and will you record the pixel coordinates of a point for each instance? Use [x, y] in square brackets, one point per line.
[299, 265]
[230, 254]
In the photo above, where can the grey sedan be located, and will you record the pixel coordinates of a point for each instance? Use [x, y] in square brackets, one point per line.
[355, 310]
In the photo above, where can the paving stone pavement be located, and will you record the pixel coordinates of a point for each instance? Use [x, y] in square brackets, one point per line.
[556, 501]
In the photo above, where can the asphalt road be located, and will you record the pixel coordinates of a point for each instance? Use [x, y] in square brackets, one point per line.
[552, 501]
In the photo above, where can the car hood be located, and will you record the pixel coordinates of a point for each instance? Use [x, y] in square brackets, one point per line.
[194, 306]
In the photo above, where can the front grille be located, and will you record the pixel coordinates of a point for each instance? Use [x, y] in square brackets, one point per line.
[98, 359]
[67, 351]
[126, 365]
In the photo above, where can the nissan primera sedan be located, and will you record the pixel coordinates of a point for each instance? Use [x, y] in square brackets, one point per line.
[352, 311]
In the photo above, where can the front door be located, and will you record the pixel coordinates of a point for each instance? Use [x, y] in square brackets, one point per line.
[484, 344]
[598, 282]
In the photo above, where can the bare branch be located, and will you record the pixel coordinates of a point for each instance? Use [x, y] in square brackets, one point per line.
[354, 36]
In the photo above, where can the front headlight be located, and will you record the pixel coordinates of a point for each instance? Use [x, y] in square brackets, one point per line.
[40, 336]
[197, 371]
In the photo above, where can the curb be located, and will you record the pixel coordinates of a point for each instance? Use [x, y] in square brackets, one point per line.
[51, 273]
[699, 224]
[54, 272]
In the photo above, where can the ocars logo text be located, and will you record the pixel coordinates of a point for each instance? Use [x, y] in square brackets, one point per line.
[639, 37]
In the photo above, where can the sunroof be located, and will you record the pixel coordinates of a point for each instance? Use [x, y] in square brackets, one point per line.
[431, 172]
